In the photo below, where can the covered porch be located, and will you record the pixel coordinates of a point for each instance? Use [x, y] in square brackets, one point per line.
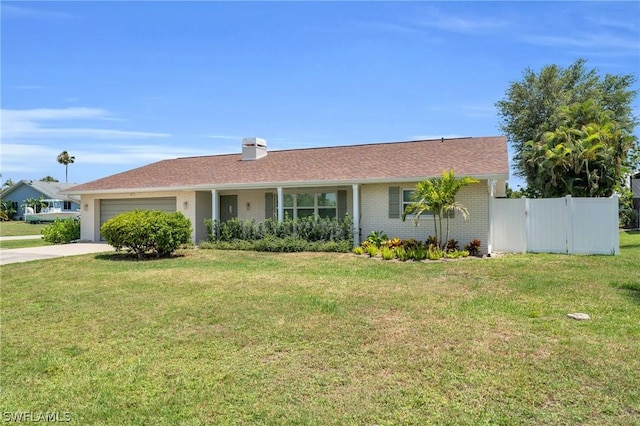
[279, 202]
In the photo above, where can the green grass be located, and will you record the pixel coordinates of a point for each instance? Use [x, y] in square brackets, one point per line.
[14, 228]
[224, 337]
[14, 244]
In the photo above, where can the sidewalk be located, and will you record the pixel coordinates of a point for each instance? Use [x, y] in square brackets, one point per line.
[47, 252]
[21, 237]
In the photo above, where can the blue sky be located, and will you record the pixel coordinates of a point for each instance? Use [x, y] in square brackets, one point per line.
[123, 84]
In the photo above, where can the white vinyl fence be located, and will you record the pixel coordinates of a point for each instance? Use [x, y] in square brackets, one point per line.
[556, 225]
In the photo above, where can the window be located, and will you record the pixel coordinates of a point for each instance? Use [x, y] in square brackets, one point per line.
[321, 204]
[407, 199]
[67, 205]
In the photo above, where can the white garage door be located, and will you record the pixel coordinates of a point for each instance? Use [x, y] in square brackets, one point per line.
[110, 208]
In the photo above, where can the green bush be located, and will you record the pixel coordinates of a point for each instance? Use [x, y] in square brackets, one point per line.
[62, 231]
[387, 253]
[290, 235]
[280, 245]
[144, 231]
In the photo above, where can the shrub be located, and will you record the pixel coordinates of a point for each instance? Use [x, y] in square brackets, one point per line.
[387, 253]
[411, 244]
[402, 254]
[358, 250]
[62, 231]
[377, 238]
[452, 245]
[419, 253]
[142, 231]
[371, 250]
[393, 243]
[473, 247]
[434, 253]
[308, 229]
[432, 241]
[455, 254]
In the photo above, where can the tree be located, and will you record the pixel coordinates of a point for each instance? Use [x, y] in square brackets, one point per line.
[36, 203]
[7, 184]
[6, 210]
[49, 179]
[583, 156]
[66, 159]
[537, 105]
[437, 196]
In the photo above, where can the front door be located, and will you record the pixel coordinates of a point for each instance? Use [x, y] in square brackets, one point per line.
[228, 207]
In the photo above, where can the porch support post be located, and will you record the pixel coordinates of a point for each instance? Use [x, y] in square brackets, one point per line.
[280, 204]
[356, 214]
[215, 211]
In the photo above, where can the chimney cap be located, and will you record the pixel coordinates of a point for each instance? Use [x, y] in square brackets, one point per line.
[253, 148]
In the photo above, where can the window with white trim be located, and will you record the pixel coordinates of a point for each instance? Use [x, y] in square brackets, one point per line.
[407, 200]
[319, 204]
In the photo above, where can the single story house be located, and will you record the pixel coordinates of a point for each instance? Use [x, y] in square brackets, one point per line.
[25, 189]
[371, 182]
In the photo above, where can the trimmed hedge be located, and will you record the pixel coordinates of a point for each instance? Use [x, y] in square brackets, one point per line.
[144, 231]
[280, 245]
[290, 235]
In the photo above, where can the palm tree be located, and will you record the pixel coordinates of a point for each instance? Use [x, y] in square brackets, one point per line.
[66, 159]
[437, 196]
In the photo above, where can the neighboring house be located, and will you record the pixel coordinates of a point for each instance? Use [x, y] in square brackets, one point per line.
[25, 189]
[369, 182]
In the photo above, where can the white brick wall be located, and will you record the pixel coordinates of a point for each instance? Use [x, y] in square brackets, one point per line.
[374, 212]
[375, 215]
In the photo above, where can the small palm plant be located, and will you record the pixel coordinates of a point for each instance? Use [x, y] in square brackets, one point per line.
[437, 196]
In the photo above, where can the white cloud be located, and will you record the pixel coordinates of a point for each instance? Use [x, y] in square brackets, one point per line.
[434, 18]
[30, 124]
[590, 41]
[30, 12]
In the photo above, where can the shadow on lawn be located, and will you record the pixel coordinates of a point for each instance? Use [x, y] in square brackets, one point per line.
[634, 243]
[630, 289]
[131, 257]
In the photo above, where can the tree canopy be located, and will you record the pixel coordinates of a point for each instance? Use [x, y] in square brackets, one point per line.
[561, 119]
[66, 159]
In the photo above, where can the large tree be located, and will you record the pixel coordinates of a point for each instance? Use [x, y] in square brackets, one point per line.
[583, 156]
[66, 159]
[538, 105]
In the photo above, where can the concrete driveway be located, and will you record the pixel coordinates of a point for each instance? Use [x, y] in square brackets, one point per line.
[36, 253]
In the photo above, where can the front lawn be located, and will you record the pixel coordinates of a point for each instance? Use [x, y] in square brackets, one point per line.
[227, 337]
[15, 227]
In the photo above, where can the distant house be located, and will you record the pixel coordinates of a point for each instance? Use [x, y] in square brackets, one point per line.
[372, 183]
[25, 189]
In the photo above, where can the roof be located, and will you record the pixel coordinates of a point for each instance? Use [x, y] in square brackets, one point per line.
[483, 157]
[48, 189]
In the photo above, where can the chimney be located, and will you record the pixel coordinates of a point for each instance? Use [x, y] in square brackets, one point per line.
[253, 148]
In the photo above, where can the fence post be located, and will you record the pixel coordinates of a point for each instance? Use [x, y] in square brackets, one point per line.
[616, 224]
[527, 225]
[568, 221]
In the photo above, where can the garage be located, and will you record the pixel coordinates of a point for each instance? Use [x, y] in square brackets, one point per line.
[112, 207]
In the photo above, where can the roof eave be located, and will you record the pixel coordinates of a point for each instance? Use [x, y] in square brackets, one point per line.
[271, 185]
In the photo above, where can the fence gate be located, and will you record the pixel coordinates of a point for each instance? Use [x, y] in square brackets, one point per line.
[547, 223]
[556, 225]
